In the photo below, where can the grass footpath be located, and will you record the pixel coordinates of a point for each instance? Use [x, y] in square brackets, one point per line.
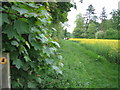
[84, 68]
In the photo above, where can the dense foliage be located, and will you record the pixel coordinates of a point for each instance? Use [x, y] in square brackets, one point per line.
[35, 61]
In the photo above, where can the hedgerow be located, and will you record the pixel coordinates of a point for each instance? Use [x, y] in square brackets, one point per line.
[35, 61]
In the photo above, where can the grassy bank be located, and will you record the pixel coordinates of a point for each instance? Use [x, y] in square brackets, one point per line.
[84, 68]
[104, 47]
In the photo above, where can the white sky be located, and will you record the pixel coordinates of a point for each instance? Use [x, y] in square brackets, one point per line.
[97, 4]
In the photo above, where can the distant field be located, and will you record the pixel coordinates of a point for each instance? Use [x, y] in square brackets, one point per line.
[105, 47]
[87, 66]
[109, 42]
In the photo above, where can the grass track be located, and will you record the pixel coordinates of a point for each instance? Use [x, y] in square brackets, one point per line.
[85, 69]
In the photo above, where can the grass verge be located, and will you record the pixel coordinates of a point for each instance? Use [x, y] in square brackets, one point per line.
[84, 68]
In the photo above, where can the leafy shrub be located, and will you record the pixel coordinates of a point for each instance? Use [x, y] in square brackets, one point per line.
[100, 34]
[111, 34]
[33, 53]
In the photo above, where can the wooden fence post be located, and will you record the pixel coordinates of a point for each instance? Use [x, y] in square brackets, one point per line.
[5, 69]
[0, 74]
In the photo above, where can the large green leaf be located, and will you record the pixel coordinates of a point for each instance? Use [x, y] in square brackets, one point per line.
[33, 5]
[27, 59]
[10, 31]
[59, 57]
[32, 85]
[49, 61]
[15, 84]
[21, 27]
[15, 43]
[32, 15]
[39, 80]
[17, 63]
[43, 38]
[14, 55]
[36, 45]
[20, 10]
[57, 69]
[5, 18]
[57, 44]
[48, 50]
[23, 50]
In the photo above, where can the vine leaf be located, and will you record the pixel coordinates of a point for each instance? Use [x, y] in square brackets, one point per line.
[26, 42]
[14, 55]
[21, 27]
[32, 14]
[15, 84]
[10, 31]
[20, 10]
[49, 61]
[15, 43]
[57, 44]
[36, 45]
[5, 19]
[27, 59]
[39, 80]
[43, 38]
[57, 69]
[33, 5]
[47, 50]
[17, 63]
[31, 85]
[59, 57]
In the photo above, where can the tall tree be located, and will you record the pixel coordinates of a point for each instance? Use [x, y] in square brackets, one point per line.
[91, 30]
[80, 26]
[103, 17]
[89, 14]
[116, 19]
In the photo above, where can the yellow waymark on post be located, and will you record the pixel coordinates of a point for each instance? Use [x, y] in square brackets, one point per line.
[3, 60]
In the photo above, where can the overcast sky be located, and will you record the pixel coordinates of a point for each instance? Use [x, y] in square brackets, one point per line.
[97, 4]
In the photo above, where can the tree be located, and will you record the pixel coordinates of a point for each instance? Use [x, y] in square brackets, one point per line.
[111, 34]
[59, 16]
[116, 19]
[59, 33]
[94, 19]
[80, 26]
[103, 17]
[91, 30]
[109, 28]
[89, 14]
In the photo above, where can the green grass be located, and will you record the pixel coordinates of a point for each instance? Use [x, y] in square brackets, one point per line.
[106, 51]
[84, 68]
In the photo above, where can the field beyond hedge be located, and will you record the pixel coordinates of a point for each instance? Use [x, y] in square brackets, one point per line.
[84, 68]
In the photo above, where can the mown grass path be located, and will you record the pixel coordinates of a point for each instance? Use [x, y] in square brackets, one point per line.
[85, 69]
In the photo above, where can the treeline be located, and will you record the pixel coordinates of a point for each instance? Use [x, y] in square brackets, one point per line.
[88, 26]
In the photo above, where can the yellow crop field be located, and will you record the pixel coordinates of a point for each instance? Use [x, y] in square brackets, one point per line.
[114, 44]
